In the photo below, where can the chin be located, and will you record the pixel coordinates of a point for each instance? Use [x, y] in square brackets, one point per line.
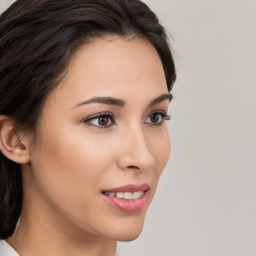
[127, 237]
[128, 230]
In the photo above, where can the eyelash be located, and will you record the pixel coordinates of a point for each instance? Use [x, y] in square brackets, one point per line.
[100, 115]
[111, 118]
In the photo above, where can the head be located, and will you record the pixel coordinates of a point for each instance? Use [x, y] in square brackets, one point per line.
[83, 93]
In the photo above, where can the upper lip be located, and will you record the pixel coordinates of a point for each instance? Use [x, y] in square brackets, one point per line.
[128, 188]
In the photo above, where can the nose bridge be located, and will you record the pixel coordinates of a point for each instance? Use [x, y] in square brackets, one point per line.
[136, 152]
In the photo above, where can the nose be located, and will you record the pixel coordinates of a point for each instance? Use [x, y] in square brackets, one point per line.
[134, 152]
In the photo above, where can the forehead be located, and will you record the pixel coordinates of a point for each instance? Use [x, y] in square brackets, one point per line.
[113, 67]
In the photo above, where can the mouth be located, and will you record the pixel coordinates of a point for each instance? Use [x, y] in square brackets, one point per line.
[126, 195]
[129, 198]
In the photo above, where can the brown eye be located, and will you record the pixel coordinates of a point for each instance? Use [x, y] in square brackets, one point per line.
[154, 118]
[101, 121]
[157, 118]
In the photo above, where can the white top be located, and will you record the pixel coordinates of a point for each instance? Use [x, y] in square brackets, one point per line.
[7, 250]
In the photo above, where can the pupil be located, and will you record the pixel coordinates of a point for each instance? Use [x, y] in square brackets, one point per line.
[154, 118]
[103, 120]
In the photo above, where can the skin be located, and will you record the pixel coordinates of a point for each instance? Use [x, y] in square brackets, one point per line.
[73, 160]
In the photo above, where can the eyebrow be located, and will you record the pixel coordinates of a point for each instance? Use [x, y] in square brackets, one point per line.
[102, 100]
[121, 103]
[160, 99]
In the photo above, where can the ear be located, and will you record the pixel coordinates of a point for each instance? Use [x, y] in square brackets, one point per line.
[13, 144]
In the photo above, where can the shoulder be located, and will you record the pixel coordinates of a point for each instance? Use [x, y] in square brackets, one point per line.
[6, 249]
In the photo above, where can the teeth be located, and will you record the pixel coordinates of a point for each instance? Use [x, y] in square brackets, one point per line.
[120, 194]
[137, 195]
[126, 195]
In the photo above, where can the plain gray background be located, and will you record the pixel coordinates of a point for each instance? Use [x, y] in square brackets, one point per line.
[206, 201]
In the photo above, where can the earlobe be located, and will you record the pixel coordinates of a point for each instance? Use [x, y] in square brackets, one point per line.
[13, 144]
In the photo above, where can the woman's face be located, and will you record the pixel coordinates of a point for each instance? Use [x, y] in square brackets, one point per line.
[101, 129]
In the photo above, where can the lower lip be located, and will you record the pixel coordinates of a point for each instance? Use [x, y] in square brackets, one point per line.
[127, 205]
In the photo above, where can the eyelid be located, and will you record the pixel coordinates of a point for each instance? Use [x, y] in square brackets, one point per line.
[88, 119]
[91, 117]
[164, 115]
[158, 111]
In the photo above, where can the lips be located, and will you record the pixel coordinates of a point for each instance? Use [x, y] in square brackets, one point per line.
[128, 198]
[128, 188]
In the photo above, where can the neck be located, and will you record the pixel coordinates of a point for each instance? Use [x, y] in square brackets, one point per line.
[28, 242]
[37, 234]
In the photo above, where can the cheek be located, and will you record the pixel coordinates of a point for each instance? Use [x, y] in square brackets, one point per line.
[68, 167]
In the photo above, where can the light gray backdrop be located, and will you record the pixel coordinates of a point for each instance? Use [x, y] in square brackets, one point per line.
[206, 202]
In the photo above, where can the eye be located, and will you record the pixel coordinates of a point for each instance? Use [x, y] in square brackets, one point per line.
[157, 118]
[104, 120]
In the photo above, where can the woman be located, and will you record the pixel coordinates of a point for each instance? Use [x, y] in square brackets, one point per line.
[84, 91]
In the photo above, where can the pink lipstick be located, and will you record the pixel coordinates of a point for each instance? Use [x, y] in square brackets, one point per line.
[128, 198]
